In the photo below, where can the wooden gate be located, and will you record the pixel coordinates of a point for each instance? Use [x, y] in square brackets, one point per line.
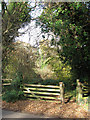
[45, 92]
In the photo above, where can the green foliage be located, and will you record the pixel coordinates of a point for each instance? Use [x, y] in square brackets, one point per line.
[50, 82]
[13, 96]
[10, 96]
[60, 67]
[17, 82]
[14, 92]
[21, 60]
[34, 81]
[14, 16]
[70, 21]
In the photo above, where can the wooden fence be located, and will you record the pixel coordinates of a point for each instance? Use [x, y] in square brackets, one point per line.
[45, 92]
[6, 82]
[82, 91]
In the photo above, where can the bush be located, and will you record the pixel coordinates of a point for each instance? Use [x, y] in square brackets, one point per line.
[34, 81]
[10, 96]
[14, 92]
[50, 82]
[13, 96]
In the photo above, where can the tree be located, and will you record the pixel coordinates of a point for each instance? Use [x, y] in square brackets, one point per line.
[21, 60]
[51, 58]
[70, 21]
[14, 16]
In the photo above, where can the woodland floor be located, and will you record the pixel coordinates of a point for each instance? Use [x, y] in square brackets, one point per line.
[53, 109]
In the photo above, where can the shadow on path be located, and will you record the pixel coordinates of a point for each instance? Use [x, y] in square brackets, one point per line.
[11, 114]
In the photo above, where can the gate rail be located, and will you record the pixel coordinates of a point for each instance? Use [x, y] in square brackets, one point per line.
[6, 82]
[44, 92]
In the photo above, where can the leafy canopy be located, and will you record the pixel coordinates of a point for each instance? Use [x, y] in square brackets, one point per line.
[70, 21]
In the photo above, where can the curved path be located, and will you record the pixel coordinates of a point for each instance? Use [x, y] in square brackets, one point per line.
[11, 114]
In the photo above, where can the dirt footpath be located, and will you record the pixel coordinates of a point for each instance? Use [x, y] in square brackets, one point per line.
[11, 114]
[51, 109]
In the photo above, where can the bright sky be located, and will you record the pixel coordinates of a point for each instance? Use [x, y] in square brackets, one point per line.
[31, 34]
[0, 7]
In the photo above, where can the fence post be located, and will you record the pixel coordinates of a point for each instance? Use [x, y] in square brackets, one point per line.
[61, 91]
[79, 91]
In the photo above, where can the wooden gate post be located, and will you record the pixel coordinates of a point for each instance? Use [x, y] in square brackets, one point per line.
[61, 91]
[79, 91]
